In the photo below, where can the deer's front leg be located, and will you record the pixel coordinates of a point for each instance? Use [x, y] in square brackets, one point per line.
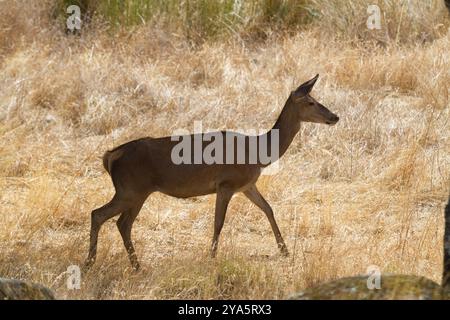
[223, 197]
[255, 196]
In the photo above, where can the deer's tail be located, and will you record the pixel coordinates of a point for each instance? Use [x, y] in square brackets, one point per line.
[109, 157]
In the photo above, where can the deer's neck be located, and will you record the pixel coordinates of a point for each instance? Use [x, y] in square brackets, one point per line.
[286, 128]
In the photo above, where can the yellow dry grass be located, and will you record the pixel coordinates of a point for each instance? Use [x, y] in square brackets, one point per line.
[368, 191]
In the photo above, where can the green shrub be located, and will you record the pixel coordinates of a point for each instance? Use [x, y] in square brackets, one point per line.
[196, 18]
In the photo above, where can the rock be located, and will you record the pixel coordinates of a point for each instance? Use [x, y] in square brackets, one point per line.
[393, 287]
[12, 289]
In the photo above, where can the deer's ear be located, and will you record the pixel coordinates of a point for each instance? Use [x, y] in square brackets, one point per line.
[306, 87]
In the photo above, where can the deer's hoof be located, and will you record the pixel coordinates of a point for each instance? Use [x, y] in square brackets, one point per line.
[136, 267]
[284, 252]
[87, 265]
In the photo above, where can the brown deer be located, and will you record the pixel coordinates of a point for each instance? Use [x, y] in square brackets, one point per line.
[141, 167]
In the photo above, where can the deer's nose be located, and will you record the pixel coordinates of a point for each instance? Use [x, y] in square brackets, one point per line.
[335, 118]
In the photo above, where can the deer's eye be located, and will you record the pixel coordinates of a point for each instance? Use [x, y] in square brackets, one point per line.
[311, 103]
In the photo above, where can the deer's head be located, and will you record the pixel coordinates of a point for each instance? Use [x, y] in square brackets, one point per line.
[310, 110]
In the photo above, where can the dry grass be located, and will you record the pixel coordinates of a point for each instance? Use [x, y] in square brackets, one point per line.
[369, 191]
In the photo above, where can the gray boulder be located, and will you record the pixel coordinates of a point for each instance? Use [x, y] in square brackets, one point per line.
[392, 287]
[12, 289]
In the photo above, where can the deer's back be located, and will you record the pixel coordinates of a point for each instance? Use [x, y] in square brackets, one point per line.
[147, 165]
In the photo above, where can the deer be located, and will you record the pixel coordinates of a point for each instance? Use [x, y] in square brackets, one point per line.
[141, 167]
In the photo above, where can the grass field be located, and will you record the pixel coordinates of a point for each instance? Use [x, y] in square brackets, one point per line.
[368, 191]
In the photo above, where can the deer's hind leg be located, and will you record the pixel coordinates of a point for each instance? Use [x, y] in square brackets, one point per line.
[125, 224]
[100, 216]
